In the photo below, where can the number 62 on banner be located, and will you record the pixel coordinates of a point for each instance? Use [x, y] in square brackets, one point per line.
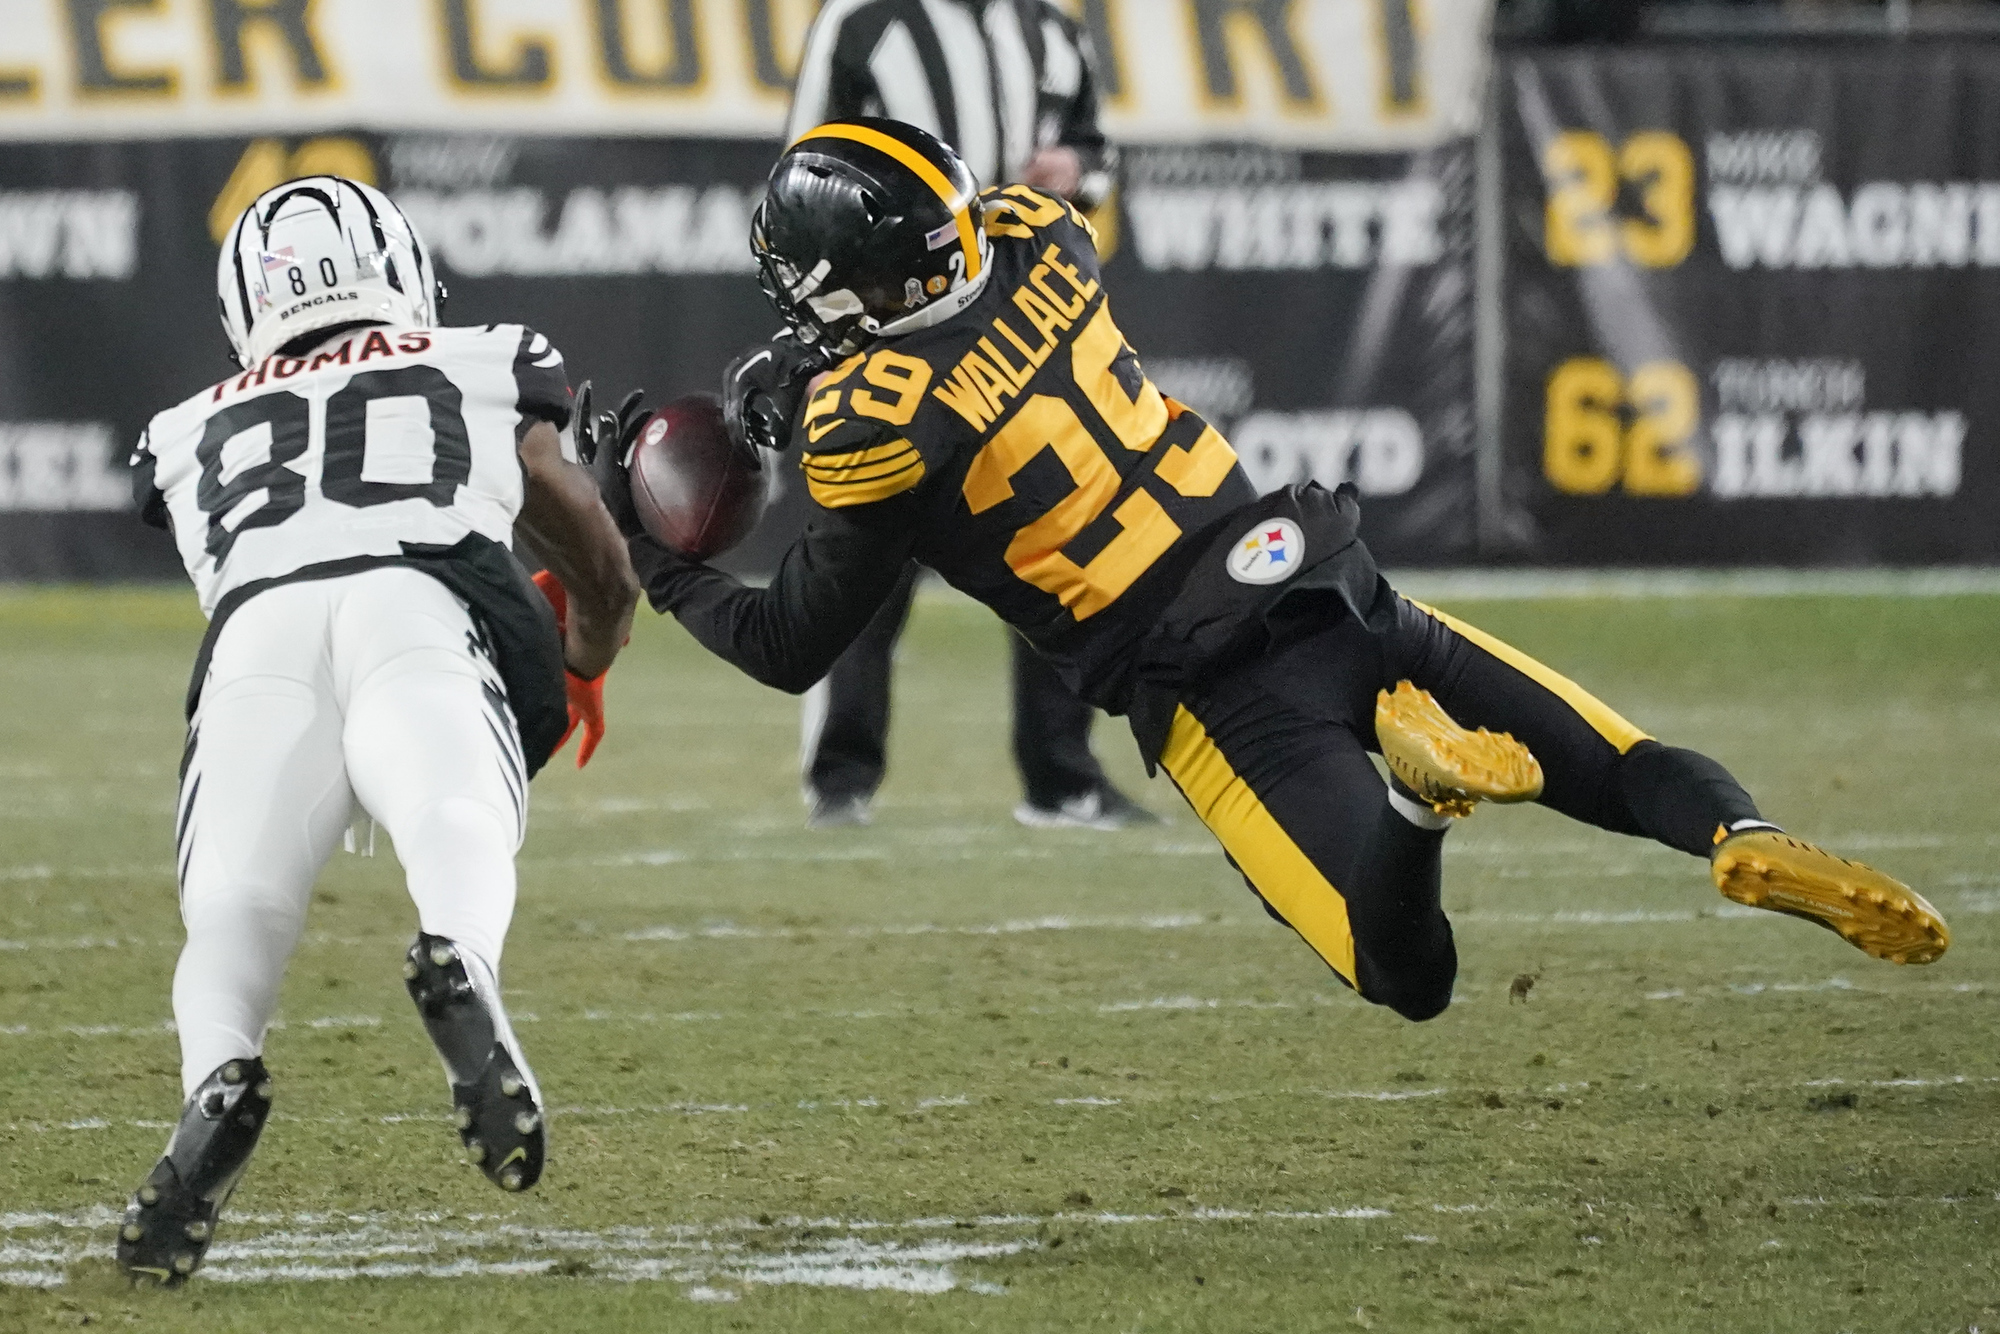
[1603, 428]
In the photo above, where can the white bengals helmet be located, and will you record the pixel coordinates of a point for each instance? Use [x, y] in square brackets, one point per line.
[320, 251]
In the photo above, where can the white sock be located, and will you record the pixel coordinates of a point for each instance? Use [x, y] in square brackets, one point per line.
[1418, 813]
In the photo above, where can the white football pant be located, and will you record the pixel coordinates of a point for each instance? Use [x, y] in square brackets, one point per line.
[371, 688]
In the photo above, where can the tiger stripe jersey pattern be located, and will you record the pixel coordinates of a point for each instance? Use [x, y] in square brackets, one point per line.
[348, 451]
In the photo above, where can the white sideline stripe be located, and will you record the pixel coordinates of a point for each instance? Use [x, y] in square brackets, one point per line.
[1615, 917]
[1981, 900]
[1475, 585]
[606, 1112]
[167, 1026]
[1831, 984]
[1198, 1003]
[916, 850]
[43, 871]
[1391, 1095]
[1154, 1005]
[921, 845]
[730, 931]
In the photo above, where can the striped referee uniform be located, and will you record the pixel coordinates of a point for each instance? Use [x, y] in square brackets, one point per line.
[998, 80]
[995, 79]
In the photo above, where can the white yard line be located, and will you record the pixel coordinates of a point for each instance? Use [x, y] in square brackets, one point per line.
[713, 1261]
[316, 1248]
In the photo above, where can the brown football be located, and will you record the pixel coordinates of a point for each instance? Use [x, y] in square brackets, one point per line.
[694, 490]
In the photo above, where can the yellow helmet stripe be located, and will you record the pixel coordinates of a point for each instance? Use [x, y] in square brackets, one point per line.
[926, 170]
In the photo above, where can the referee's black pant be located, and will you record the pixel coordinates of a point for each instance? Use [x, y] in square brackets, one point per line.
[847, 718]
[1273, 757]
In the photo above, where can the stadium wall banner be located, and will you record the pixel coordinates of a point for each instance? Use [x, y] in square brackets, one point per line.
[1309, 290]
[1328, 74]
[1753, 303]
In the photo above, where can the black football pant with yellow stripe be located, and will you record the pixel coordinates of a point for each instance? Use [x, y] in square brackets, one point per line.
[1274, 759]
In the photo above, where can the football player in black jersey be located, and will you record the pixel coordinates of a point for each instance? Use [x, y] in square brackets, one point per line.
[962, 396]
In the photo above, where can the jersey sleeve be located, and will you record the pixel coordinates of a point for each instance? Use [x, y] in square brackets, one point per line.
[853, 452]
[541, 381]
[789, 633]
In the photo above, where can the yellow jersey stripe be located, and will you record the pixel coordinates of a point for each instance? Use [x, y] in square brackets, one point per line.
[856, 458]
[866, 473]
[1258, 844]
[840, 495]
[926, 170]
[1603, 719]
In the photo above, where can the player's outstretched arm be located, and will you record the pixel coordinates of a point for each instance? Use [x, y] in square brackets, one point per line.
[787, 634]
[565, 525]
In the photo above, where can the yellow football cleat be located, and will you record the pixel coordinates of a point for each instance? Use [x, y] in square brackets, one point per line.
[1877, 915]
[1443, 763]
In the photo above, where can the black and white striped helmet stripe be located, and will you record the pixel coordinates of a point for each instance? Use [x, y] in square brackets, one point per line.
[301, 258]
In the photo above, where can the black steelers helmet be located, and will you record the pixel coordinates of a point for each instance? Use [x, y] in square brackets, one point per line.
[868, 228]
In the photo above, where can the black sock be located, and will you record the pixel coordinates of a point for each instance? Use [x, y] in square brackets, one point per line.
[1404, 954]
[1682, 798]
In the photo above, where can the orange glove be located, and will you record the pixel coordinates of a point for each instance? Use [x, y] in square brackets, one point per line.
[586, 707]
[586, 698]
[557, 595]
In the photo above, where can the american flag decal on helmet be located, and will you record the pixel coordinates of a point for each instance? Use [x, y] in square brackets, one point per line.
[943, 236]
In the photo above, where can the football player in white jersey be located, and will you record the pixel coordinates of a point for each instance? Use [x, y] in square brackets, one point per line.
[346, 507]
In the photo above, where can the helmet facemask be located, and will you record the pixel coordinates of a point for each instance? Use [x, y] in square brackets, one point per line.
[839, 327]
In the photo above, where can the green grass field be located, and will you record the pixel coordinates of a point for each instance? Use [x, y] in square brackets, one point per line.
[945, 1073]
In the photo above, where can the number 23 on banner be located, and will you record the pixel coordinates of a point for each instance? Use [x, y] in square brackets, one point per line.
[1603, 428]
[1584, 174]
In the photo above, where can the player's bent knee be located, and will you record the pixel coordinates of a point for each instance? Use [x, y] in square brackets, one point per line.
[1416, 994]
[267, 910]
[1418, 1003]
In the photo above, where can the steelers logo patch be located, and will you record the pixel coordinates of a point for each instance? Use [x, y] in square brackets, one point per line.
[1268, 553]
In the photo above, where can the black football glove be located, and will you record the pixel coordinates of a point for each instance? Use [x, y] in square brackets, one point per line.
[761, 391]
[604, 445]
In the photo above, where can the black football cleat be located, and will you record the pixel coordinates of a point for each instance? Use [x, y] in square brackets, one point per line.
[171, 1220]
[497, 1108]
